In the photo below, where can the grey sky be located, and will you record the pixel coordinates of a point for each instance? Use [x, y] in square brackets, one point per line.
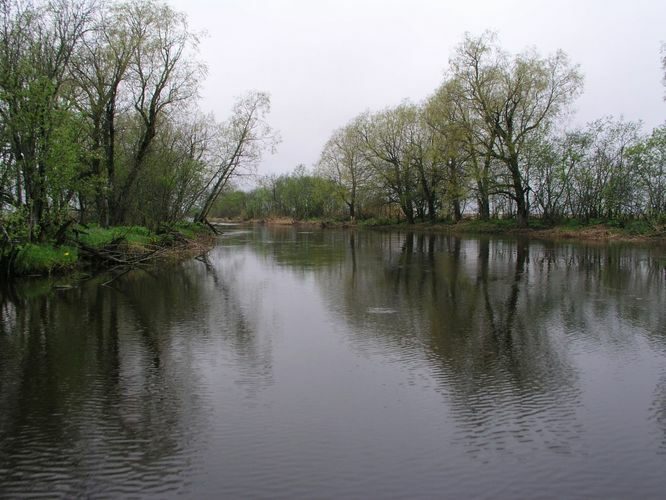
[323, 62]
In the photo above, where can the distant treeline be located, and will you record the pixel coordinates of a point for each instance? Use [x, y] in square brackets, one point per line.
[99, 123]
[488, 142]
[99, 119]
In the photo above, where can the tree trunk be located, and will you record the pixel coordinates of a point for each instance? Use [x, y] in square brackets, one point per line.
[408, 210]
[352, 203]
[484, 205]
[522, 209]
[457, 210]
[432, 210]
[107, 204]
[137, 164]
[39, 202]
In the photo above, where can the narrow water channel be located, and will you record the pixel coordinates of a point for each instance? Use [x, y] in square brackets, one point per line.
[340, 364]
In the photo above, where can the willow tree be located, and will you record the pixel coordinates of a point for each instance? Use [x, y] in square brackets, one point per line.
[513, 98]
[450, 143]
[342, 161]
[388, 145]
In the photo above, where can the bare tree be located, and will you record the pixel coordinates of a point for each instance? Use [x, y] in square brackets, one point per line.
[237, 147]
[161, 76]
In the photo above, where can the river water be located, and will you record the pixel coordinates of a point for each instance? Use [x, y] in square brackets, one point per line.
[343, 364]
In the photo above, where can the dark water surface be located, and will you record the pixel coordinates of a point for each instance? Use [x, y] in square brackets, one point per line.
[295, 364]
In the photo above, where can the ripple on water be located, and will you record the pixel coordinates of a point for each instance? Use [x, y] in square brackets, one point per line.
[381, 310]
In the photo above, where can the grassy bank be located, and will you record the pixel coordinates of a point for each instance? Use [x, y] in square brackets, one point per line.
[596, 230]
[94, 246]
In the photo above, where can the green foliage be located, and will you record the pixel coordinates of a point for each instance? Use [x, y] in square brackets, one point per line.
[298, 195]
[15, 224]
[230, 205]
[648, 161]
[69, 148]
[259, 203]
[639, 228]
[572, 223]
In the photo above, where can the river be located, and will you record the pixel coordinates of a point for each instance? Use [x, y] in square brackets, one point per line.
[343, 364]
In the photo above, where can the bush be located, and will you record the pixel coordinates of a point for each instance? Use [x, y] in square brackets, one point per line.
[638, 227]
[15, 224]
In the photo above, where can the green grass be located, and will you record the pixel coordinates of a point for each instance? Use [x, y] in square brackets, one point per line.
[96, 236]
[191, 230]
[138, 236]
[45, 259]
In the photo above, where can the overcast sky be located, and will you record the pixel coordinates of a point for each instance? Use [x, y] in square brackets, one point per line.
[325, 61]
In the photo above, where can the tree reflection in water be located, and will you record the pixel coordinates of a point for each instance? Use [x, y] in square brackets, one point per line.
[91, 380]
[495, 319]
[241, 365]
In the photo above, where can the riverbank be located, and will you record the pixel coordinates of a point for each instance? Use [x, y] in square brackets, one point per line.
[637, 231]
[634, 232]
[93, 248]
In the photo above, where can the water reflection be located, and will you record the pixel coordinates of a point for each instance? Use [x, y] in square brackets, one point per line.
[481, 313]
[269, 366]
[100, 393]
[504, 325]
